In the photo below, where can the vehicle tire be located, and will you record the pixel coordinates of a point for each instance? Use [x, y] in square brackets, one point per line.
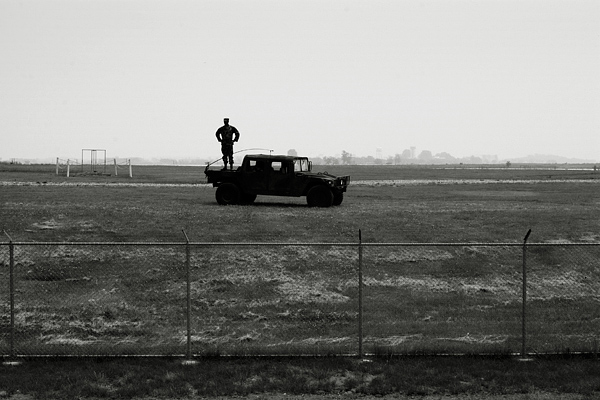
[247, 198]
[338, 198]
[228, 194]
[319, 196]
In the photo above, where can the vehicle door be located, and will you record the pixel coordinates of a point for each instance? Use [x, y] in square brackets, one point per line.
[281, 180]
[256, 176]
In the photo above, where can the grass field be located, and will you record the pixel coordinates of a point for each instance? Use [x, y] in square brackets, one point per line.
[427, 378]
[556, 204]
[195, 174]
[424, 299]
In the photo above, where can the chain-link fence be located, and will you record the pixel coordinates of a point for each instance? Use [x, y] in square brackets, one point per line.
[297, 298]
[563, 298]
[284, 299]
[442, 299]
[96, 299]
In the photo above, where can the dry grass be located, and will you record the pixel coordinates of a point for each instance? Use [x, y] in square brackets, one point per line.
[307, 378]
[283, 299]
[303, 299]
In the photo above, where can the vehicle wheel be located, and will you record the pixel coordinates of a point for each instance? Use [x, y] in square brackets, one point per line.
[338, 198]
[319, 196]
[228, 194]
[248, 198]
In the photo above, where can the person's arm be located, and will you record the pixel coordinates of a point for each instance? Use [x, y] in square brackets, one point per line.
[218, 134]
[237, 134]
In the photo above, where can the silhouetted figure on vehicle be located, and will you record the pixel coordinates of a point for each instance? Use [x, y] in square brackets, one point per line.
[227, 135]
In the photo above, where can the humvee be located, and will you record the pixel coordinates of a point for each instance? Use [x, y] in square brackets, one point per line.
[276, 175]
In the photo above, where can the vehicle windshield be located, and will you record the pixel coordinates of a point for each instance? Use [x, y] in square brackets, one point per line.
[301, 165]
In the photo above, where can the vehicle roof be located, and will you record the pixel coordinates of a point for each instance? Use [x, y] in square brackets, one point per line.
[275, 157]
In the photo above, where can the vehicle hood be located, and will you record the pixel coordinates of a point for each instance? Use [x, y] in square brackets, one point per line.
[344, 180]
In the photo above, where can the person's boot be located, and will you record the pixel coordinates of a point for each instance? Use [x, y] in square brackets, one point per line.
[231, 166]
[225, 167]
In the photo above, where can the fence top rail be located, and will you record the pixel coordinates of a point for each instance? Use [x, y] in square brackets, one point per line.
[282, 244]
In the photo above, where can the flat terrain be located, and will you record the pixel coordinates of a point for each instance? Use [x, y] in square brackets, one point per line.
[291, 297]
[423, 378]
[388, 203]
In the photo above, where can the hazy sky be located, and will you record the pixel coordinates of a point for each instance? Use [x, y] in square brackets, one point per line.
[154, 78]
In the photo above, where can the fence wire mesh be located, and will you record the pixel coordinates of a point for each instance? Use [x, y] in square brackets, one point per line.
[117, 298]
[442, 299]
[98, 300]
[274, 300]
[5, 308]
[563, 298]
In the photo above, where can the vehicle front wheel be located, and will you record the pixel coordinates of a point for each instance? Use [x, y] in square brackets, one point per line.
[228, 194]
[338, 198]
[319, 196]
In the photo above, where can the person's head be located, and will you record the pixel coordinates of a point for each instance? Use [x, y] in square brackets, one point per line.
[226, 121]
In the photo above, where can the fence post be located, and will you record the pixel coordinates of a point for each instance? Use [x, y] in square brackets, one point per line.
[56, 166]
[116, 171]
[68, 168]
[130, 171]
[360, 297]
[188, 360]
[11, 252]
[11, 278]
[524, 293]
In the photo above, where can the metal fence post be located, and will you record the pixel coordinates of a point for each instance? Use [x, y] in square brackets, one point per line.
[524, 293]
[11, 251]
[360, 296]
[11, 279]
[188, 360]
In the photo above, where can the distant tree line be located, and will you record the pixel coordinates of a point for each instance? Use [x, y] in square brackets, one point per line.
[406, 157]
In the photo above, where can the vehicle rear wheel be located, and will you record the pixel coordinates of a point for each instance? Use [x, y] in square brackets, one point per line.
[248, 198]
[228, 194]
[338, 198]
[319, 196]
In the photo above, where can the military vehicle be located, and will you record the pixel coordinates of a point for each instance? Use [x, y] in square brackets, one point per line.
[276, 175]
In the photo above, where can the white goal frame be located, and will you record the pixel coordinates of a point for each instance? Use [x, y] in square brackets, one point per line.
[94, 163]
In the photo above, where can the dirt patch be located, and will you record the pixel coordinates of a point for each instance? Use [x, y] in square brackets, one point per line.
[418, 182]
[305, 292]
[497, 193]
[392, 340]
[50, 224]
[412, 255]
[502, 287]
[479, 339]
[566, 285]
[590, 237]
[374, 182]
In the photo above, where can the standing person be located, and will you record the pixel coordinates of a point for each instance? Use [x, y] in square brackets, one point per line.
[225, 135]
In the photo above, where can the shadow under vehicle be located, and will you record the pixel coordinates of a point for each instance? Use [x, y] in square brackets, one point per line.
[276, 175]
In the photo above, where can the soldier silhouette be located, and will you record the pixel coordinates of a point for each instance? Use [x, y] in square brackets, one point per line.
[227, 135]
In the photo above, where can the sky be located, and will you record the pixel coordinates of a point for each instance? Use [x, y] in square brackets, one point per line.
[155, 78]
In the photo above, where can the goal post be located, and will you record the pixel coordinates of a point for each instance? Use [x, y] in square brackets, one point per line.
[127, 164]
[95, 160]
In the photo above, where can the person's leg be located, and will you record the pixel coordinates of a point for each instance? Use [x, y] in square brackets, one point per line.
[224, 152]
[230, 155]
